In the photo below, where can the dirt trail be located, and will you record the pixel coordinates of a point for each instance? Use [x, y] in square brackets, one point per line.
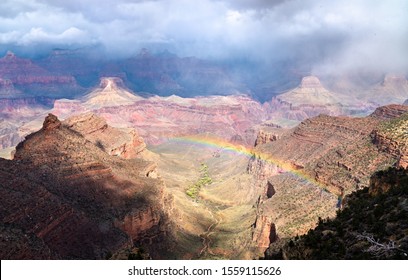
[206, 249]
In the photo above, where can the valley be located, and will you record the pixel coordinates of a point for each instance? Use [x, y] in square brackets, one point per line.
[221, 214]
[177, 176]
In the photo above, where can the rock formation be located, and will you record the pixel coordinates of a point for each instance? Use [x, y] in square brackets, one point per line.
[391, 137]
[372, 225]
[8, 135]
[389, 112]
[110, 93]
[312, 166]
[392, 90]
[310, 99]
[123, 142]
[159, 118]
[77, 201]
[32, 79]
[7, 89]
[268, 133]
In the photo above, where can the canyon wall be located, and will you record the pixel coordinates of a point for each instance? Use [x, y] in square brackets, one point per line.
[81, 202]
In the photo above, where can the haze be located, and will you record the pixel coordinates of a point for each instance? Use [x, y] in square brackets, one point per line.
[320, 36]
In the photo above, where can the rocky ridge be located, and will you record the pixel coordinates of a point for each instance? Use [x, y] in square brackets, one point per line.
[392, 137]
[123, 142]
[159, 118]
[318, 162]
[31, 79]
[372, 225]
[79, 201]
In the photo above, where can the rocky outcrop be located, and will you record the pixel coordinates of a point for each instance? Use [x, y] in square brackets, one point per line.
[29, 77]
[393, 89]
[110, 93]
[391, 136]
[310, 99]
[123, 142]
[372, 225]
[264, 232]
[159, 118]
[268, 134]
[8, 135]
[320, 161]
[7, 88]
[17, 244]
[335, 151]
[78, 200]
[389, 112]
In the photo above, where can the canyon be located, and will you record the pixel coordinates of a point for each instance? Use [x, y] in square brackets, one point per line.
[77, 201]
[138, 163]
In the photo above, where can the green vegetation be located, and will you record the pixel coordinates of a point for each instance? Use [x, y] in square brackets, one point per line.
[396, 128]
[204, 180]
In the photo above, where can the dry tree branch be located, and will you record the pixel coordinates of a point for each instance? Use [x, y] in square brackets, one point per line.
[376, 248]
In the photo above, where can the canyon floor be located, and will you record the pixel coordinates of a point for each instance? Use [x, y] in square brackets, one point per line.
[217, 222]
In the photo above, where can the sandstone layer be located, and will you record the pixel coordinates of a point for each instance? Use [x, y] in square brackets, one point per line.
[309, 169]
[159, 118]
[372, 225]
[78, 201]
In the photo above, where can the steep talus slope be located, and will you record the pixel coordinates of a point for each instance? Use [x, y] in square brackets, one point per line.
[80, 201]
[373, 225]
[110, 93]
[310, 168]
[392, 137]
[389, 112]
[336, 151]
[18, 244]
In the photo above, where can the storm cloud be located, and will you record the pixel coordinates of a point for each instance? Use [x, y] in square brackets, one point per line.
[326, 36]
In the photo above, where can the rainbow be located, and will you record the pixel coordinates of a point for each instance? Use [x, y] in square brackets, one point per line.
[217, 143]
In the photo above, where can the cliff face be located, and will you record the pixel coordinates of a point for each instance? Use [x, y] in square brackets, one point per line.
[389, 112]
[80, 201]
[335, 151]
[29, 78]
[391, 137]
[123, 142]
[372, 225]
[268, 133]
[8, 135]
[393, 89]
[310, 99]
[313, 165]
[7, 88]
[159, 118]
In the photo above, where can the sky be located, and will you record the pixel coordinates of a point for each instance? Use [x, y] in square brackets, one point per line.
[328, 36]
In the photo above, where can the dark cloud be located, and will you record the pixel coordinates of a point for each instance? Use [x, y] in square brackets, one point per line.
[327, 36]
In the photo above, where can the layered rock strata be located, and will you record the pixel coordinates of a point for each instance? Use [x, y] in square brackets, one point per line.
[79, 201]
